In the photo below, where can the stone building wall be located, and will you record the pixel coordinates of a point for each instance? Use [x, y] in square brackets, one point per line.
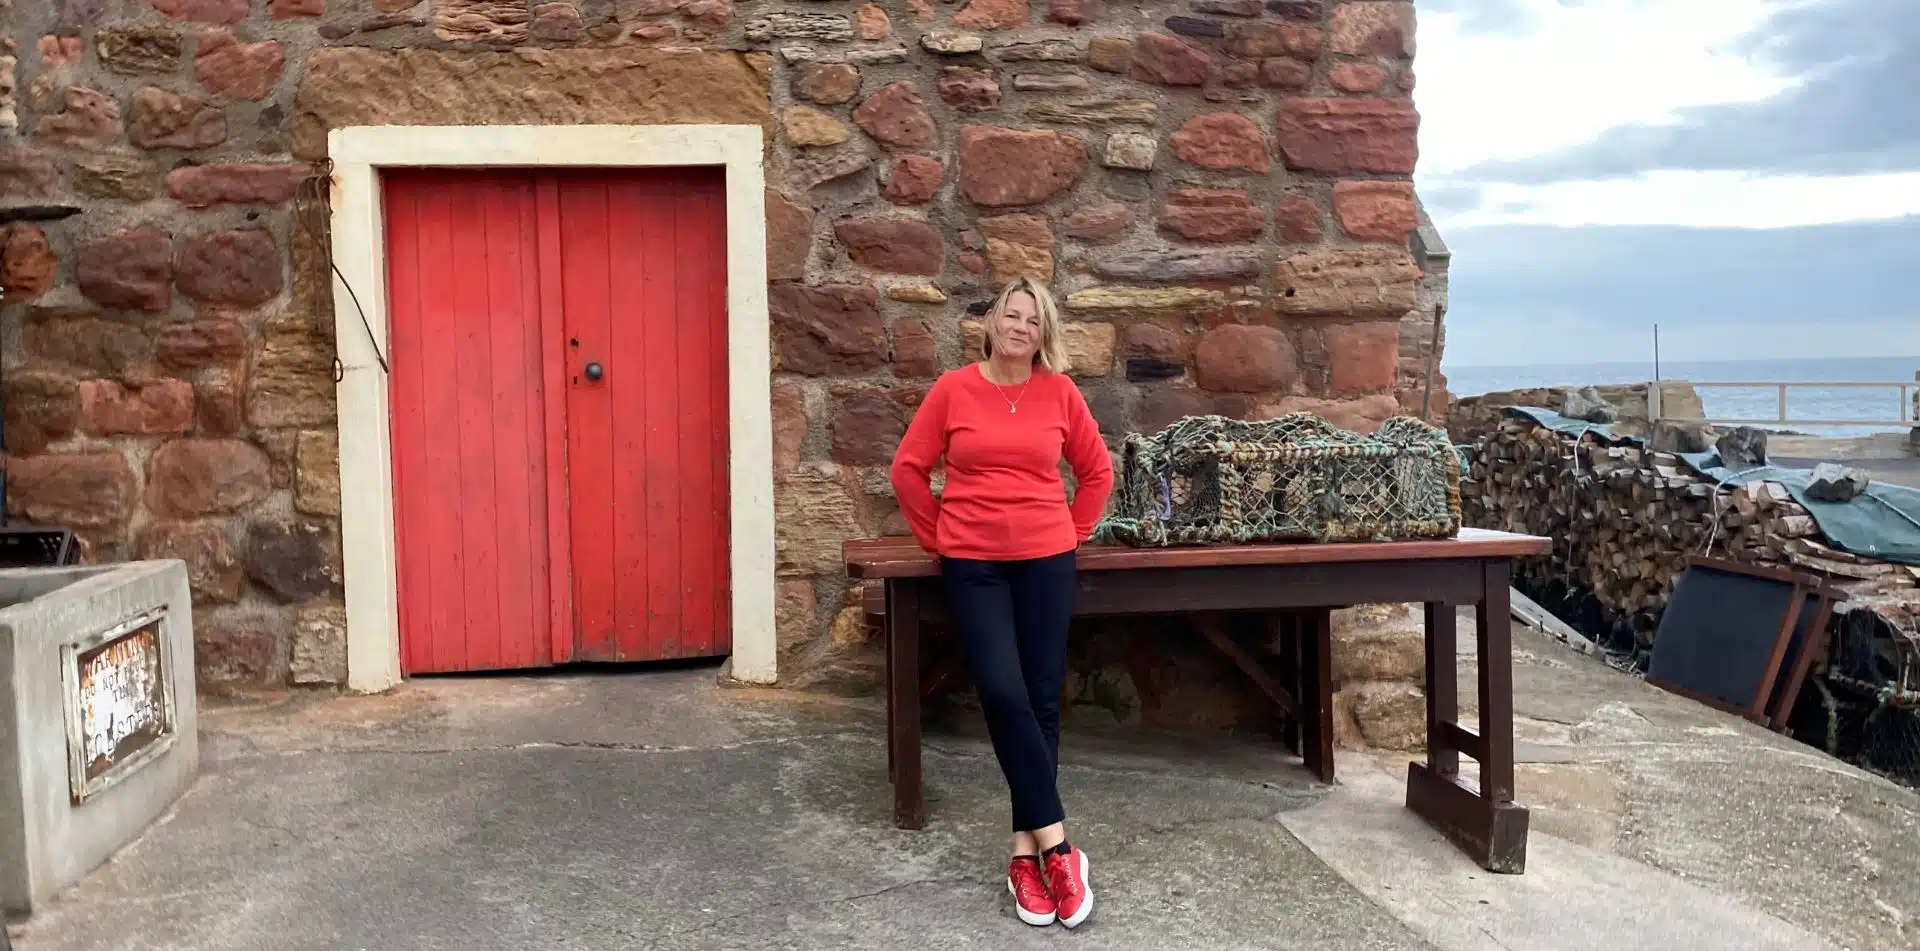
[1219, 189]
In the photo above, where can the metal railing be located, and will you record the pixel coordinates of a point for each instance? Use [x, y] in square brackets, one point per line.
[1906, 409]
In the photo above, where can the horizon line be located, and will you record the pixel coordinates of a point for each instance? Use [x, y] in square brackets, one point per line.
[1596, 364]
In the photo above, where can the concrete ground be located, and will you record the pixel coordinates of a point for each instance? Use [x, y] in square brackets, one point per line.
[1904, 471]
[1892, 444]
[1887, 457]
[1656, 823]
[657, 811]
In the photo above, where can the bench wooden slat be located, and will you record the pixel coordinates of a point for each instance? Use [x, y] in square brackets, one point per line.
[902, 557]
[1468, 742]
[1278, 695]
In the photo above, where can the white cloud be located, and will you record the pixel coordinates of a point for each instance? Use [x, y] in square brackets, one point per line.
[1577, 71]
[1719, 199]
[1733, 264]
[1572, 73]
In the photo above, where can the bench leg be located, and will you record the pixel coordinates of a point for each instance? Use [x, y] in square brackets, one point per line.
[1482, 817]
[903, 702]
[1303, 696]
[1443, 688]
[1140, 661]
[1314, 634]
[886, 637]
[1291, 664]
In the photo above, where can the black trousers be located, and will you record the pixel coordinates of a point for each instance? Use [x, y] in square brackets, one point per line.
[1012, 618]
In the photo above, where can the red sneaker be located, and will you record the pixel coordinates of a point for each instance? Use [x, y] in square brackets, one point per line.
[1067, 880]
[1030, 896]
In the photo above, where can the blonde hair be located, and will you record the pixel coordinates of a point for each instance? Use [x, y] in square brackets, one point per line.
[1052, 352]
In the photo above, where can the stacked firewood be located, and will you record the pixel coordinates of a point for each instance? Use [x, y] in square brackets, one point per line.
[1624, 520]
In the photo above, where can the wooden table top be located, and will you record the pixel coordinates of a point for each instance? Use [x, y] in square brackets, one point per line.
[902, 557]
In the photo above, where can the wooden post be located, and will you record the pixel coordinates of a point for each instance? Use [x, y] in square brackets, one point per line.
[1443, 688]
[1493, 636]
[903, 686]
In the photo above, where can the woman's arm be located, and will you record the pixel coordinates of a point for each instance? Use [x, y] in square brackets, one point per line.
[1086, 452]
[912, 473]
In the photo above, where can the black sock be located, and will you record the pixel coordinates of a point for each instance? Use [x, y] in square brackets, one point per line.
[1062, 849]
[1030, 858]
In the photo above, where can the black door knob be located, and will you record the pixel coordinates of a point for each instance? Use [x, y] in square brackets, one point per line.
[595, 371]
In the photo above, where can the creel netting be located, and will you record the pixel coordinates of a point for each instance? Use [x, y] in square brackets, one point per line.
[1865, 707]
[1211, 479]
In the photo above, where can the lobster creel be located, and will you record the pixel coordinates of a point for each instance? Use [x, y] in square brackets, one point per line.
[1214, 480]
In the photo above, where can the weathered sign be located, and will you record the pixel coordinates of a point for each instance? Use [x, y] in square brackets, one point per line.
[119, 703]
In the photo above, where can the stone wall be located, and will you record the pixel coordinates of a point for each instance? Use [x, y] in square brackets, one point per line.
[1220, 190]
[1471, 418]
[1913, 435]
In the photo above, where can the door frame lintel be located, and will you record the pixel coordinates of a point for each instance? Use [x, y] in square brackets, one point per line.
[365, 414]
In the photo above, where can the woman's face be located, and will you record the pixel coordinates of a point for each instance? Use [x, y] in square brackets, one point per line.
[1018, 331]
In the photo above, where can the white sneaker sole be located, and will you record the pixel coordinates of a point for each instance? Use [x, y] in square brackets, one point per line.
[1086, 907]
[1038, 921]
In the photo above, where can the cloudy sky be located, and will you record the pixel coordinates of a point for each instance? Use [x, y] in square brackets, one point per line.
[1745, 173]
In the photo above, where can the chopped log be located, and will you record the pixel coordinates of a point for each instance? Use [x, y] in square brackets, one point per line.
[1625, 520]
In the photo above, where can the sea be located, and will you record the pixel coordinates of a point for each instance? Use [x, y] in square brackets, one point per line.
[1759, 402]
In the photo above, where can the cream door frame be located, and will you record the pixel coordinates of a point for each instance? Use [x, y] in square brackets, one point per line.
[366, 451]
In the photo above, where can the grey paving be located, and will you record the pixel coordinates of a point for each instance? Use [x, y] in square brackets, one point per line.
[1701, 799]
[661, 812]
[1572, 898]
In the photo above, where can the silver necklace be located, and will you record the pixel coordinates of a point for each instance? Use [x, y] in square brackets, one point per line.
[1013, 405]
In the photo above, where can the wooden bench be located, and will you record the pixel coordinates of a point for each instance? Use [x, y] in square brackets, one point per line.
[1307, 582]
[1302, 695]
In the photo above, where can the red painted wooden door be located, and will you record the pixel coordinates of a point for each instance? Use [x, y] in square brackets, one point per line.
[643, 272]
[544, 513]
[471, 473]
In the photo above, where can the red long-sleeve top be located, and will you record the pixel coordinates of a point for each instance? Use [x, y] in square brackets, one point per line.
[1004, 499]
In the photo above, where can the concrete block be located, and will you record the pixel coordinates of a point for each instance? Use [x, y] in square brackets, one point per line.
[98, 725]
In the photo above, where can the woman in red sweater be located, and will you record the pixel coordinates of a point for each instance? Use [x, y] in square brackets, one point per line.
[1006, 536]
